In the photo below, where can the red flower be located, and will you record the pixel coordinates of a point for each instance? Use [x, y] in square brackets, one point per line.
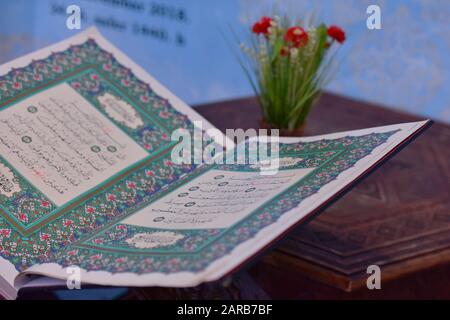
[111, 197]
[72, 252]
[296, 36]
[131, 185]
[76, 85]
[45, 203]
[121, 260]
[23, 217]
[68, 223]
[147, 146]
[5, 232]
[336, 33]
[45, 236]
[262, 26]
[90, 209]
[96, 257]
[163, 114]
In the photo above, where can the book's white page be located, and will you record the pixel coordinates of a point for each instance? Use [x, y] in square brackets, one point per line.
[169, 227]
[7, 276]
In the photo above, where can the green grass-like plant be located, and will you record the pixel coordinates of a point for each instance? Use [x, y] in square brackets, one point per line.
[287, 65]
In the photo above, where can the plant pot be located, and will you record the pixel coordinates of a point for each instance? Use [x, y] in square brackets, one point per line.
[298, 132]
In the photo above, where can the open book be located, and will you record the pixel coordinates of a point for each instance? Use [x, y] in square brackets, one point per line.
[88, 179]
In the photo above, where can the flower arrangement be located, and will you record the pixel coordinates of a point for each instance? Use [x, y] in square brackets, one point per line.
[287, 66]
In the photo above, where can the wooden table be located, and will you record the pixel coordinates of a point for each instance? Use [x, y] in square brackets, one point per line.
[397, 218]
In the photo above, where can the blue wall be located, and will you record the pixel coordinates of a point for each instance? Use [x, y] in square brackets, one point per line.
[405, 65]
